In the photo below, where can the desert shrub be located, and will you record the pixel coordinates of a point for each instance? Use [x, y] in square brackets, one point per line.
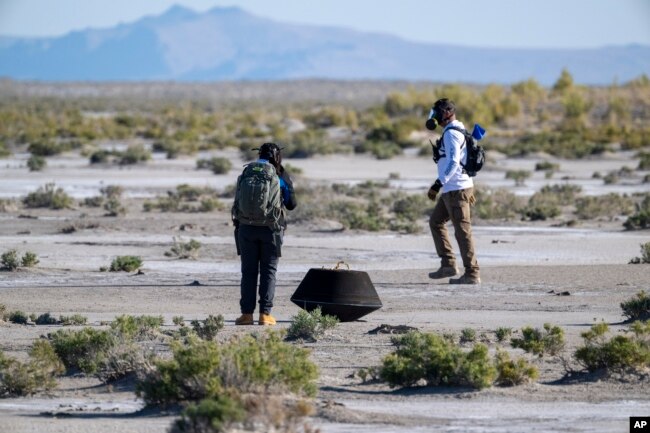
[3, 312]
[502, 333]
[84, 350]
[137, 326]
[95, 201]
[178, 320]
[126, 264]
[100, 156]
[641, 217]
[9, 260]
[184, 250]
[310, 325]
[467, 335]
[519, 176]
[205, 369]
[411, 207]
[46, 319]
[36, 163]
[358, 216]
[218, 165]
[211, 415]
[637, 308]
[510, 373]
[546, 166]
[430, 358]
[644, 161]
[113, 207]
[45, 148]
[37, 374]
[210, 327]
[609, 206]
[539, 342]
[134, 154]
[18, 317]
[618, 353]
[75, 319]
[48, 196]
[29, 260]
[496, 204]
[542, 206]
[181, 199]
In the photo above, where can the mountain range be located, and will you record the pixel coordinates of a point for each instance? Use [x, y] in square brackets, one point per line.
[232, 44]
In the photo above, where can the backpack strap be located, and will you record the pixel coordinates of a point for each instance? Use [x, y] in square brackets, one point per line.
[459, 129]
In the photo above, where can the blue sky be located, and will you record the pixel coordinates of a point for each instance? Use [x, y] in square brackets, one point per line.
[495, 23]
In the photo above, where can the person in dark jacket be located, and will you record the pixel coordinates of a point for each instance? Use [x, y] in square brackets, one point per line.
[260, 245]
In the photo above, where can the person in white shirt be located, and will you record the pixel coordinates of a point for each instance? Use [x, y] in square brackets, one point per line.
[456, 190]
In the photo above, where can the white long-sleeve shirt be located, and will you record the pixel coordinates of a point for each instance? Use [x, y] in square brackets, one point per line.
[453, 151]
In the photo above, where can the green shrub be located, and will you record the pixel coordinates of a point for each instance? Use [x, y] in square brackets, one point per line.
[496, 204]
[211, 415]
[644, 161]
[519, 176]
[210, 327]
[218, 165]
[641, 218]
[9, 260]
[617, 353]
[436, 361]
[502, 333]
[29, 260]
[84, 350]
[137, 326]
[37, 374]
[48, 196]
[467, 335]
[126, 264]
[18, 317]
[609, 206]
[546, 166]
[184, 250]
[135, 154]
[205, 369]
[46, 319]
[510, 373]
[36, 163]
[310, 325]
[75, 319]
[637, 308]
[539, 342]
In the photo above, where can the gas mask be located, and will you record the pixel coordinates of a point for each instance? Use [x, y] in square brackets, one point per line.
[435, 117]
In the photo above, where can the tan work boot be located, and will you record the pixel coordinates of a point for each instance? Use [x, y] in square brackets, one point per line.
[444, 272]
[244, 319]
[465, 279]
[266, 319]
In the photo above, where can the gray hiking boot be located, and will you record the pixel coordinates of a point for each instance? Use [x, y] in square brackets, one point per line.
[443, 272]
[465, 279]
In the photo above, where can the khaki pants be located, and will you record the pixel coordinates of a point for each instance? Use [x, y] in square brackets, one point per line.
[454, 205]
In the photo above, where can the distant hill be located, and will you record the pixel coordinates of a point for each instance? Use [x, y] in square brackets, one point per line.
[231, 44]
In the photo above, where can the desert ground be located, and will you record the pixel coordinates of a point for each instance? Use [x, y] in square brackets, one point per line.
[524, 266]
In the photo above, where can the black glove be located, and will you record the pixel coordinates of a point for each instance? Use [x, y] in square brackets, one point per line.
[434, 190]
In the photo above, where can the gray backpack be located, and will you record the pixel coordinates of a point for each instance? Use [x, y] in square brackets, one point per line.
[258, 199]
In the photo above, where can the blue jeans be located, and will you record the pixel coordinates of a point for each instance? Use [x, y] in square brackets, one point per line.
[259, 256]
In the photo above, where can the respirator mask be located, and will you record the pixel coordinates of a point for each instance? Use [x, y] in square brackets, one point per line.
[435, 117]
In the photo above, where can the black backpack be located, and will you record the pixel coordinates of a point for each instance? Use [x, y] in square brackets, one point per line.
[475, 153]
